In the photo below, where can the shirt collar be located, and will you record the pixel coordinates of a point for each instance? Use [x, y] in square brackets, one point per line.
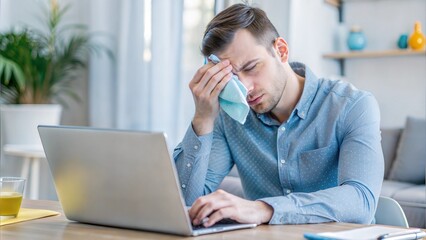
[309, 89]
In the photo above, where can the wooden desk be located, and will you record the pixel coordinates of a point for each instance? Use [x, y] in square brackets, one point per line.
[58, 227]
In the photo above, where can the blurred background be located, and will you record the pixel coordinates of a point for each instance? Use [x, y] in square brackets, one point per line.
[150, 49]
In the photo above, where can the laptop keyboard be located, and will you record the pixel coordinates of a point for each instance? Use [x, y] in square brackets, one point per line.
[223, 221]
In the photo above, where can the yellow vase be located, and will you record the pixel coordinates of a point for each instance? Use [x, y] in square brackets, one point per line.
[417, 39]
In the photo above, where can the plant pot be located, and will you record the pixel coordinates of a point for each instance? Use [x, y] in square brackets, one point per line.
[19, 121]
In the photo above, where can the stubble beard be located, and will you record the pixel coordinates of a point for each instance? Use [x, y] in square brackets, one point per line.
[271, 103]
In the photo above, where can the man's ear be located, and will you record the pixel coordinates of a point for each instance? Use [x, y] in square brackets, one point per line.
[281, 47]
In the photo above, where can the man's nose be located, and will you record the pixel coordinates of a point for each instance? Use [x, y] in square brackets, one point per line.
[246, 82]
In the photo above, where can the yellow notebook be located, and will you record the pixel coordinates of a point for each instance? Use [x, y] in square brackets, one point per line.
[26, 214]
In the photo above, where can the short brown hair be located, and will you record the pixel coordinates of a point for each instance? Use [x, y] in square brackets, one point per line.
[222, 28]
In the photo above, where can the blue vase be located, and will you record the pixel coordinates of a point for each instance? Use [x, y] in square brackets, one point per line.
[356, 40]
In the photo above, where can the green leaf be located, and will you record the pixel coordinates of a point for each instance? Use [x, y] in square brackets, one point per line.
[7, 72]
[9, 68]
[2, 66]
[20, 78]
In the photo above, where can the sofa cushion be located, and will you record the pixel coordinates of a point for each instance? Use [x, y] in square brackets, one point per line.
[410, 162]
[390, 140]
[413, 202]
[390, 188]
[412, 196]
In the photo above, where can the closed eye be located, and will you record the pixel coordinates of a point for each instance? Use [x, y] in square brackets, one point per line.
[248, 69]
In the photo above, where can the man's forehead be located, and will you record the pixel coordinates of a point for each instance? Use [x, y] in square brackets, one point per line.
[243, 50]
[239, 61]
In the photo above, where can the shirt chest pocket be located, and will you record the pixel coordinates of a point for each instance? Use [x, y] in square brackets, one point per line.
[318, 168]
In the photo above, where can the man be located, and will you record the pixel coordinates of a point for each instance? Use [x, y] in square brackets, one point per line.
[309, 150]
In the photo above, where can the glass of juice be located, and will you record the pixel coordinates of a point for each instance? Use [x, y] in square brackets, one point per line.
[11, 191]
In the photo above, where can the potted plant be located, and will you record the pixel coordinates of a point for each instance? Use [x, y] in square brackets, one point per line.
[36, 70]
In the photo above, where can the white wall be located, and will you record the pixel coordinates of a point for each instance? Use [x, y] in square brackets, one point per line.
[399, 83]
[278, 12]
[311, 34]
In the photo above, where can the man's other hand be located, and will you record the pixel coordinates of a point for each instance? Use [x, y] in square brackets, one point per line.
[210, 209]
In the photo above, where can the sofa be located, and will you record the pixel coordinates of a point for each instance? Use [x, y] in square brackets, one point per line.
[404, 151]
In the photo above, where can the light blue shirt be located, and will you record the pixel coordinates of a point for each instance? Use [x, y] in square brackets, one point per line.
[323, 164]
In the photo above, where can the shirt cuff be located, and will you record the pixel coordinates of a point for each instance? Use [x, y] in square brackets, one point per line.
[285, 211]
[195, 146]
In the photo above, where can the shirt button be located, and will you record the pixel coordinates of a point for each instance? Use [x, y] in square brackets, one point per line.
[283, 129]
[288, 191]
[282, 161]
[302, 114]
[183, 186]
[188, 165]
[195, 147]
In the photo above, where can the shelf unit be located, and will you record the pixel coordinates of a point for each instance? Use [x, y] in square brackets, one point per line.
[335, 3]
[342, 56]
[373, 54]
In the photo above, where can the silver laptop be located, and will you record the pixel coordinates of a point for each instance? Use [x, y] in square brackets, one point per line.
[119, 178]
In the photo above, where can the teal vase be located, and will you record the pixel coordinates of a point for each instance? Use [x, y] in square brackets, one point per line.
[403, 41]
[356, 39]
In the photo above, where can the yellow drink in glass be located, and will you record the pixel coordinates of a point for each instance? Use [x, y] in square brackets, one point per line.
[11, 191]
[10, 202]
